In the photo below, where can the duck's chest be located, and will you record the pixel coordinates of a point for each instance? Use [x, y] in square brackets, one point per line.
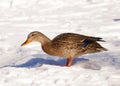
[49, 50]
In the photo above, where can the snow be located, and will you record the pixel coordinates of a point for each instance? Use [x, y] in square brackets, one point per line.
[30, 66]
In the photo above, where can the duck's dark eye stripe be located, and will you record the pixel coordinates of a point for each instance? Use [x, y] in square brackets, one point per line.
[33, 34]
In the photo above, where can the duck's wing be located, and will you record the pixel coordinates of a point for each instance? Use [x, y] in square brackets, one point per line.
[71, 41]
[66, 40]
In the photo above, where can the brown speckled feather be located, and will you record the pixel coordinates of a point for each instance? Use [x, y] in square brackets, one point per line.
[72, 44]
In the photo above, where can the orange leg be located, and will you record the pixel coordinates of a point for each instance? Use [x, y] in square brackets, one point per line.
[69, 62]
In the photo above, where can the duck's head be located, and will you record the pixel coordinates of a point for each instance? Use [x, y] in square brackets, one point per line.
[35, 36]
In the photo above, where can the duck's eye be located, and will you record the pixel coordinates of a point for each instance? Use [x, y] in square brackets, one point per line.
[32, 35]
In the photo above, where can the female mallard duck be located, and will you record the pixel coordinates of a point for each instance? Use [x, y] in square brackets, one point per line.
[67, 45]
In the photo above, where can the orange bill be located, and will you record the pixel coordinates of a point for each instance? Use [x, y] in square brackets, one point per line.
[26, 42]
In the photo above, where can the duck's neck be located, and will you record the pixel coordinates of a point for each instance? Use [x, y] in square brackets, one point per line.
[47, 47]
[44, 40]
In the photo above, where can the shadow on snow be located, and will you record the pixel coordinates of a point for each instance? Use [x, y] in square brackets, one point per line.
[36, 62]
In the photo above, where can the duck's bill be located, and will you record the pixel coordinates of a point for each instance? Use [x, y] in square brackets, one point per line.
[26, 42]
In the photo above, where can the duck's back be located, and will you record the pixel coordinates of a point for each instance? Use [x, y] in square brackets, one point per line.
[70, 44]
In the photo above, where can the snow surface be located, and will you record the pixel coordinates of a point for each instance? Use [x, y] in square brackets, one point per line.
[30, 66]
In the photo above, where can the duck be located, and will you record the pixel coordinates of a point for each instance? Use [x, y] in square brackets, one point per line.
[66, 45]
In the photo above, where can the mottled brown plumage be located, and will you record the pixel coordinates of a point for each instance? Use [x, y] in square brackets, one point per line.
[67, 45]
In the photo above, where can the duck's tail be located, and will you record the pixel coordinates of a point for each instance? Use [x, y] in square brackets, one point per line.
[96, 39]
[100, 39]
[102, 49]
